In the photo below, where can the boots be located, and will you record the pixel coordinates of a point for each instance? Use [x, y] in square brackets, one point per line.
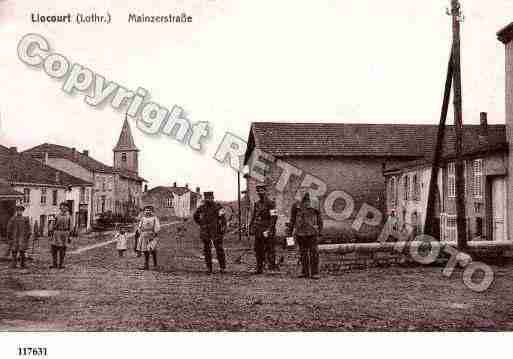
[14, 263]
[154, 256]
[54, 251]
[146, 260]
[22, 259]
[62, 254]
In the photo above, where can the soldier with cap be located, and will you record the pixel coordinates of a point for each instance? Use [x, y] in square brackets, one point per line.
[18, 234]
[210, 216]
[263, 227]
[306, 224]
[61, 236]
[148, 228]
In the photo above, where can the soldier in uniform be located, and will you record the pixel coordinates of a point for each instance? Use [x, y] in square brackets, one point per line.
[18, 234]
[210, 216]
[263, 227]
[306, 224]
[60, 236]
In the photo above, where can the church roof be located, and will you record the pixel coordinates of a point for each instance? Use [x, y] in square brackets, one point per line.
[125, 141]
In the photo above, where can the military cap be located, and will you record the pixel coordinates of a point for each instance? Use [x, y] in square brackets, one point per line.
[209, 194]
[261, 188]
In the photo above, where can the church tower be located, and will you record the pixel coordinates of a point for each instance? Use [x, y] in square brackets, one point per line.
[125, 152]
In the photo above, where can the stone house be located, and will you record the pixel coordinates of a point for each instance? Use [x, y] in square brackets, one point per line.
[485, 160]
[172, 201]
[116, 189]
[43, 188]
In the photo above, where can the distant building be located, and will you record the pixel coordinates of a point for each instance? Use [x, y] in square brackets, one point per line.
[117, 188]
[345, 157]
[172, 201]
[43, 188]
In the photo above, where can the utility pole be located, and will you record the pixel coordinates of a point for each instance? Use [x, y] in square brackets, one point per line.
[458, 126]
[238, 201]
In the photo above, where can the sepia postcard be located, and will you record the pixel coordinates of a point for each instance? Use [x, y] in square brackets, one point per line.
[290, 173]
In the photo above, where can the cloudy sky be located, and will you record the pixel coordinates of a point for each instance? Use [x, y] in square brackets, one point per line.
[361, 61]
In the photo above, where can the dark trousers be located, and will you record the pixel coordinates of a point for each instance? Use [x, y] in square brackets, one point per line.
[147, 254]
[58, 254]
[15, 258]
[309, 255]
[207, 251]
[265, 250]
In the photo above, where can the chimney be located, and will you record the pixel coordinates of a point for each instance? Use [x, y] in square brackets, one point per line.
[187, 185]
[13, 150]
[198, 190]
[483, 121]
[145, 188]
[85, 153]
[74, 153]
[174, 184]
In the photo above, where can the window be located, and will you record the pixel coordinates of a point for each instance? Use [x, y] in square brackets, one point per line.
[169, 202]
[451, 180]
[26, 195]
[82, 194]
[43, 195]
[392, 191]
[406, 187]
[87, 195]
[54, 197]
[450, 228]
[477, 178]
[416, 188]
[123, 157]
[104, 184]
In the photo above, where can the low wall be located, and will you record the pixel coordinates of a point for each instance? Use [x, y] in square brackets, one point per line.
[342, 257]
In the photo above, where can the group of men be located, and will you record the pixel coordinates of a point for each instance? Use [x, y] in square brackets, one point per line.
[305, 225]
[19, 233]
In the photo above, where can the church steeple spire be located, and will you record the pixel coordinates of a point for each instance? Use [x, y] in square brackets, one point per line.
[125, 152]
[125, 141]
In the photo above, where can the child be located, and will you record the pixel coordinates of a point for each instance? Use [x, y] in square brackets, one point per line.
[181, 229]
[121, 242]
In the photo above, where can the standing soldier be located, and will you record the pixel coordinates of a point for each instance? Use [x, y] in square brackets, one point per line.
[262, 226]
[60, 236]
[18, 234]
[306, 223]
[210, 216]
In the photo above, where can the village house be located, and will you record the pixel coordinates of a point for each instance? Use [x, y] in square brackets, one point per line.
[485, 159]
[172, 201]
[43, 188]
[117, 189]
[506, 37]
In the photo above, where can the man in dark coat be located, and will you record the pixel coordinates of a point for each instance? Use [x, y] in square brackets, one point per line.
[306, 224]
[18, 235]
[210, 216]
[263, 227]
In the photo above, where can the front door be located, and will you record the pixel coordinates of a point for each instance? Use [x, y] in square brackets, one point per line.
[499, 209]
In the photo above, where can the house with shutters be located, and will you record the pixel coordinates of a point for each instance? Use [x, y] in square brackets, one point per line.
[485, 155]
[42, 189]
[116, 189]
[172, 201]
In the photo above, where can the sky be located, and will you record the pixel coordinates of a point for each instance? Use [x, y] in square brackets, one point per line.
[243, 61]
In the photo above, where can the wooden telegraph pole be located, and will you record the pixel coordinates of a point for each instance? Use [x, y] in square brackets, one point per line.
[238, 203]
[458, 126]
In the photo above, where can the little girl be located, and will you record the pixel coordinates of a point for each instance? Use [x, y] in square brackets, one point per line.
[121, 242]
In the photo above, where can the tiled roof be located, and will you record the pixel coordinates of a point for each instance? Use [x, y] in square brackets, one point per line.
[168, 190]
[22, 168]
[86, 161]
[6, 191]
[376, 140]
[505, 35]
[125, 141]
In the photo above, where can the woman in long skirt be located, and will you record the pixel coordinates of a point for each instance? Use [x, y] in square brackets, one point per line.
[149, 227]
